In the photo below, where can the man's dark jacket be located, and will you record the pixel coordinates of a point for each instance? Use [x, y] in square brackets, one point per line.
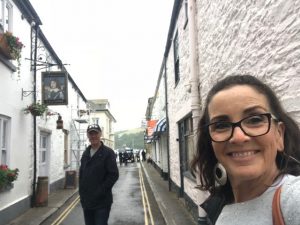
[97, 175]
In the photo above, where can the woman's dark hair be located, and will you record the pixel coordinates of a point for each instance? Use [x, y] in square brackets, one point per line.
[205, 160]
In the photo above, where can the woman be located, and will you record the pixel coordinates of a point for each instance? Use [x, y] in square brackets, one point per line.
[247, 147]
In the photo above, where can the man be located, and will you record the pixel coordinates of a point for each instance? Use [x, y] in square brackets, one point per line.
[144, 155]
[120, 157]
[98, 173]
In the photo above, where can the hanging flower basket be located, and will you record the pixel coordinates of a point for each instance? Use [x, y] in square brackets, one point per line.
[7, 177]
[11, 47]
[36, 109]
[4, 47]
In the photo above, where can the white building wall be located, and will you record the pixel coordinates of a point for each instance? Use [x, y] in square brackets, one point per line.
[159, 145]
[20, 140]
[164, 153]
[159, 111]
[261, 38]
[48, 124]
[178, 99]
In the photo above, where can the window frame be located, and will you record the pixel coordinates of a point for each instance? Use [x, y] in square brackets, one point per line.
[187, 139]
[176, 57]
[43, 149]
[4, 138]
[6, 15]
[186, 12]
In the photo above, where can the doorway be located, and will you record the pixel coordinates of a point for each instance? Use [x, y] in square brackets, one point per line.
[44, 154]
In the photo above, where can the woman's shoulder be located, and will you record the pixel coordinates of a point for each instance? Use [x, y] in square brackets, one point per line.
[291, 185]
[290, 199]
[290, 181]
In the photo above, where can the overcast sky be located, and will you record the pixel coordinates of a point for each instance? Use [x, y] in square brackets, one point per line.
[114, 48]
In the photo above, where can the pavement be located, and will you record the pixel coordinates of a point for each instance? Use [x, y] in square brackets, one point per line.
[36, 215]
[172, 208]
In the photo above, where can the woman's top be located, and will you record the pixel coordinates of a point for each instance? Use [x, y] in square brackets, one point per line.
[258, 211]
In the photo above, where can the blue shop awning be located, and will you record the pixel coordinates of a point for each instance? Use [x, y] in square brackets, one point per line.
[161, 126]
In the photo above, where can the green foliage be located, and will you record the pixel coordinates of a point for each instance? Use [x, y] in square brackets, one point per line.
[14, 44]
[7, 175]
[36, 109]
[15, 47]
[130, 138]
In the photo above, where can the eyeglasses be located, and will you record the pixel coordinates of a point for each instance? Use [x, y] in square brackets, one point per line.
[252, 126]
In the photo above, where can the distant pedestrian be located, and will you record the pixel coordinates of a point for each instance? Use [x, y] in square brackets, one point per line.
[137, 156]
[144, 155]
[120, 158]
[97, 175]
[125, 157]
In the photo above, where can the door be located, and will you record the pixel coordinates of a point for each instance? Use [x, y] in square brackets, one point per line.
[44, 154]
[186, 149]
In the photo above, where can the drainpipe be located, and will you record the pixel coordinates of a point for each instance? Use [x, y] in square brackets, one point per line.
[167, 122]
[195, 89]
[34, 117]
[194, 82]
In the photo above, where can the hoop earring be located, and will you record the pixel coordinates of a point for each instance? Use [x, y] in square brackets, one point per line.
[220, 174]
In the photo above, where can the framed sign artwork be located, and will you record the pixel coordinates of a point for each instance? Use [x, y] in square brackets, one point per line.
[55, 88]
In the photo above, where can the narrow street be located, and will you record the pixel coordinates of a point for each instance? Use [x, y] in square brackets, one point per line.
[134, 203]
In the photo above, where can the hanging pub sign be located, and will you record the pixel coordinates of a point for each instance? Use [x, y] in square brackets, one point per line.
[55, 88]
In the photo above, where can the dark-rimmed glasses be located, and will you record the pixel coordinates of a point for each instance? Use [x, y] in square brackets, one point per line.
[252, 126]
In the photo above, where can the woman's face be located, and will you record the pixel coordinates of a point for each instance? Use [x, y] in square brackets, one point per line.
[245, 158]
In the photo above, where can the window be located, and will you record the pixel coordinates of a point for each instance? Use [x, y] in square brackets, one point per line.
[5, 15]
[66, 144]
[188, 124]
[4, 129]
[43, 148]
[95, 120]
[186, 13]
[186, 142]
[176, 58]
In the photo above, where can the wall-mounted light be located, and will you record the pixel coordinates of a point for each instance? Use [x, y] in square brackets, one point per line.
[59, 122]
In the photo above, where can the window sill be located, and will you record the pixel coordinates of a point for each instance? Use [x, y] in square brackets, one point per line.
[8, 63]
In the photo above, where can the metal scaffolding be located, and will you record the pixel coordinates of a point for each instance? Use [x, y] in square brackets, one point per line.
[78, 141]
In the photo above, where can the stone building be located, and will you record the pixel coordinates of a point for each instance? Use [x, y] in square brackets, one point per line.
[209, 40]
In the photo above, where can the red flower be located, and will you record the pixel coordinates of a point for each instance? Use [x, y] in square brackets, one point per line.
[3, 167]
[7, 175]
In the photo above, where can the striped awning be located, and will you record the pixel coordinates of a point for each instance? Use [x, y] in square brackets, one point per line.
[161, 126]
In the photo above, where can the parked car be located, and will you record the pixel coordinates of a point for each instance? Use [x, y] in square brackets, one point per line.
[130, 155]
